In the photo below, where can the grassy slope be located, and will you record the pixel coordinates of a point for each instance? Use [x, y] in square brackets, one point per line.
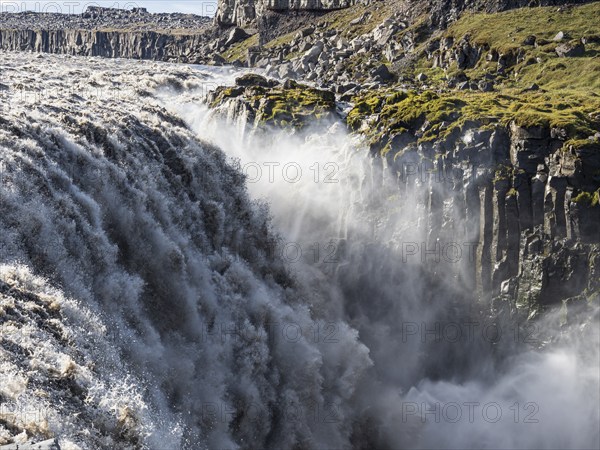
[510, 28]
[570, 87]
[506, 31]
[239, 51]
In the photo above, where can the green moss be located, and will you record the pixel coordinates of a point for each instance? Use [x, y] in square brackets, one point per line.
[223, 93]
[435, 116]
[509, 29]
[295, 106]
[239, 51]
[591, 199]
[287, 105]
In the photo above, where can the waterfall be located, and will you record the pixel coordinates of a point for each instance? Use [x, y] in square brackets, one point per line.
[170, 279]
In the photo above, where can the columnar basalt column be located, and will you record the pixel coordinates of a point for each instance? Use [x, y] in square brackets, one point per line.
[513, 234]
[554, 207]
[522, 184]
[484, 258]
[538, 189]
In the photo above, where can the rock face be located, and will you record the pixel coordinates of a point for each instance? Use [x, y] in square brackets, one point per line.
[97, 18]
[537, 243]
[110, 33]
[244, 13]
[111, 44]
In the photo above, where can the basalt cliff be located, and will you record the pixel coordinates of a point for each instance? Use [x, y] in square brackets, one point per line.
[110, 33]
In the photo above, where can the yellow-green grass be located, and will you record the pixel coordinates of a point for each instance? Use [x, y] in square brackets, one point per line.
[239, 51]
[447, 112]
[505, 32]
[509, 29]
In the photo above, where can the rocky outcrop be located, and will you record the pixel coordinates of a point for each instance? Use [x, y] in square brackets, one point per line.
[325, 56]
[289, 105]
[538, 242]
[245, 12]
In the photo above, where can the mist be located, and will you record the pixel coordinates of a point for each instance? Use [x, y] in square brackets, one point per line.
[444, 374]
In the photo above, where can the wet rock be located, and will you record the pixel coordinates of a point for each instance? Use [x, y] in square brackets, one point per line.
[251, 79]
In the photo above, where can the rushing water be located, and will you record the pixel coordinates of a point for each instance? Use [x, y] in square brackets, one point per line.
[171, 280]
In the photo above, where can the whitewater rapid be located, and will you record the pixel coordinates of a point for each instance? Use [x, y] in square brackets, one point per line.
[171, 280]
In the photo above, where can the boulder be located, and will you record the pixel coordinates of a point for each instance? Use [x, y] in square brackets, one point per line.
[286, 71]
[485, 86]
[383, 73]
[252, 79]
[570, 50]
[305, 32]
[236, 35]
[560, 36]
[312, 55]
[359, 20]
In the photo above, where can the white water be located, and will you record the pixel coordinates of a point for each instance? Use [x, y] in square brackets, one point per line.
[188, 323]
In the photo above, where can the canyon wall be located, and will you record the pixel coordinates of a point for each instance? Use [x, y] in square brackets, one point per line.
[112, 44]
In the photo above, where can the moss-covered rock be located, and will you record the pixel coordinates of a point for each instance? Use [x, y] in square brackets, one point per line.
[434, 116]
[591, 199]
[289, 105]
